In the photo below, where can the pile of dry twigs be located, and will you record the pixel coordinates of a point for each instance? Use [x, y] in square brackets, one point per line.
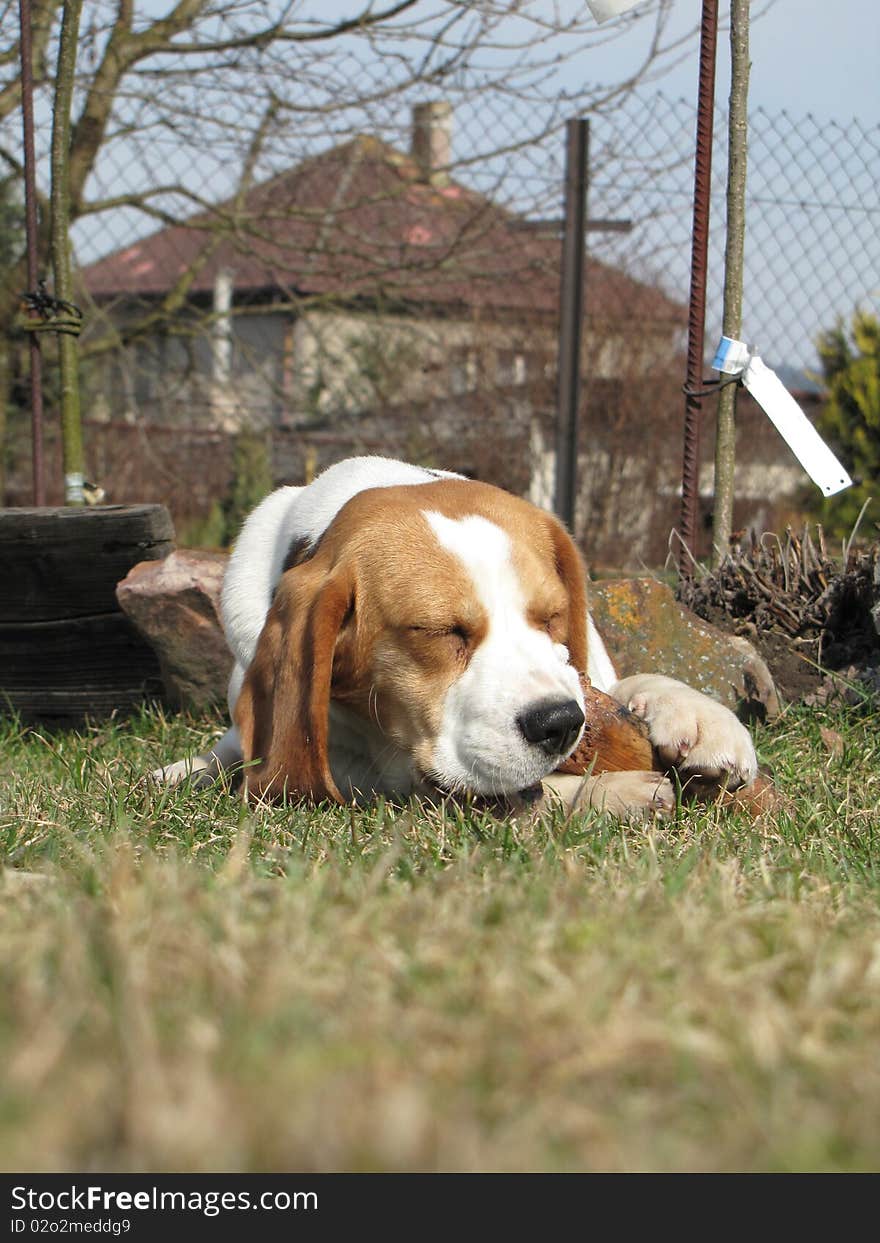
[790, 588]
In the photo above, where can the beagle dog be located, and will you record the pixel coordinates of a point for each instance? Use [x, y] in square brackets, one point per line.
[398, 630]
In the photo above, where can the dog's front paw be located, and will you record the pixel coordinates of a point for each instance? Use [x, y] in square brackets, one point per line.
[629, 794]
[690, 732]
[198, 769]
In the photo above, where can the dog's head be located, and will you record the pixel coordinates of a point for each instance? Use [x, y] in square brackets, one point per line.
[451, 615]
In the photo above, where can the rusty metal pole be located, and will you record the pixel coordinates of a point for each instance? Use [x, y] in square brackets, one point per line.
[577, 142]
[30, 196]
[690, 474]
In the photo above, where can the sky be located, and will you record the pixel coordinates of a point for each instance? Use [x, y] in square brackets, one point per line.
[807, 56]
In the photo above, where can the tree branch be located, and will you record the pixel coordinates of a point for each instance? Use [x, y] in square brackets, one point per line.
[279, 33]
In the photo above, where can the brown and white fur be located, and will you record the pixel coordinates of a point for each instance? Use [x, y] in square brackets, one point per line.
[398, 630]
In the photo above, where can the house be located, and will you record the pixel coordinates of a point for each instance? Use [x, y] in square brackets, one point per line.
[362, 278]
[365, 300]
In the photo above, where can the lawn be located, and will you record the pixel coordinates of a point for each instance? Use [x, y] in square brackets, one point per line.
[187, 984]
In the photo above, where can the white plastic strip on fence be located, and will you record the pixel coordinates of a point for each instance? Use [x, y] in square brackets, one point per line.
[736, 358]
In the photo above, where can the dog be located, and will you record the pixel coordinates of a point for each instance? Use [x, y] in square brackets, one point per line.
[399, 630]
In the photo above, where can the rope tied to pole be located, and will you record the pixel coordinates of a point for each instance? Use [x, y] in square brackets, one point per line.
[42, 312]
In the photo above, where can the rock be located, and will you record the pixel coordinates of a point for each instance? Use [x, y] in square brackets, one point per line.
[175, 604]
[647, 631]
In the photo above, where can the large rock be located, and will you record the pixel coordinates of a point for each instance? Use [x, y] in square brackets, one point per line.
[647, 631]
[175, 604]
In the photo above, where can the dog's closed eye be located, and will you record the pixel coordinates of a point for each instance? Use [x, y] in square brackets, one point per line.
[455, 635]
[550, 620]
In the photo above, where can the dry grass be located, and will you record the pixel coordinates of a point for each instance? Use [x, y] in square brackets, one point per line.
[187, 985]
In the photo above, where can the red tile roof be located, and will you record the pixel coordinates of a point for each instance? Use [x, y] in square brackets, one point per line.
[358, 221]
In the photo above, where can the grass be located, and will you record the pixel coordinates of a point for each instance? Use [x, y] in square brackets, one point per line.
[186, 984]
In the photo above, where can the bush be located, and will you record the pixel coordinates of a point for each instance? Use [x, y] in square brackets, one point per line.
[850, 420]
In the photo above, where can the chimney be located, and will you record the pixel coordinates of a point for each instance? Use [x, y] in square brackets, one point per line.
[432, 141]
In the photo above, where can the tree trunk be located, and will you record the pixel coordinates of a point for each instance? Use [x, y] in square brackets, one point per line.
[725, 441]
[71, 423]
[5, 381]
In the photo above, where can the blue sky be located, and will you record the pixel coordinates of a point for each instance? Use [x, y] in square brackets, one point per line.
[817, 57]
[807, 56]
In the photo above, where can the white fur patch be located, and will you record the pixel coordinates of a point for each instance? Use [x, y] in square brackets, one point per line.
[689, 730]
[480, 745]
[600, 670]
[484, 550]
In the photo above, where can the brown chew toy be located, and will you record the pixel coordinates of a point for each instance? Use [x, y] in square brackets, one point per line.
[614, 740]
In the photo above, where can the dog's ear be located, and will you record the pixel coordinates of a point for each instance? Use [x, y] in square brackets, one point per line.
[570, 568]
[283, 708]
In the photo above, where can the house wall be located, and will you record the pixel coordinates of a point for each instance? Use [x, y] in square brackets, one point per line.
[272, 368]
[172, 378]
[343, 363]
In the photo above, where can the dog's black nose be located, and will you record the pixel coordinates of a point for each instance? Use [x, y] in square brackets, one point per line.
[553, 726]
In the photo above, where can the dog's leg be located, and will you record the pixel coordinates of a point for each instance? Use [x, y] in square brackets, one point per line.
[626, 794]
[203, 770]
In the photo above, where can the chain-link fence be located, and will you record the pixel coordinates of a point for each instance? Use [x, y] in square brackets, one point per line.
[383, 276]
[813, 222]
[813, 211]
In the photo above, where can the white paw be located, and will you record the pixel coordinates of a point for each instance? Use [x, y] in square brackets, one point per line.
[620, 793]
[199, 769]
[691, 732]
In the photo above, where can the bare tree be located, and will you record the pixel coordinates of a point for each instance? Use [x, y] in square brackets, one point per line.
[177, 117]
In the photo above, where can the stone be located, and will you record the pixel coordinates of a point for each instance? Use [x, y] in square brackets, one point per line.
[647, 631]
[175, 605]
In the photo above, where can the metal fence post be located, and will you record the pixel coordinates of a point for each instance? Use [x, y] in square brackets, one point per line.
[30, 198]
[577, 141]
